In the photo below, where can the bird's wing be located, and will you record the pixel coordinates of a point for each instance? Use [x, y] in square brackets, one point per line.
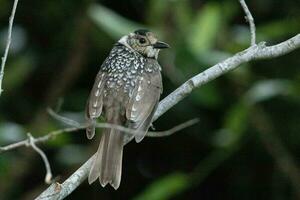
[95, 103]
[143, 103]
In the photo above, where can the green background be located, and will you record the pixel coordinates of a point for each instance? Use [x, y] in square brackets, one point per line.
[246, 145]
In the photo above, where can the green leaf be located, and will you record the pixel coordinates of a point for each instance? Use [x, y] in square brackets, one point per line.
[235, 125]
[202, 35]
[236, 119]
[277, 29]
[112, 23]
[4, 166]
[165, 188]
[17, 72]
[267, 89]
[157, 10]
[183, 14]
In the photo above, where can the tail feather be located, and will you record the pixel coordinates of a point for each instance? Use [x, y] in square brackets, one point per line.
[95, 169]
[107, 165]
[112, 160]
[90, 129]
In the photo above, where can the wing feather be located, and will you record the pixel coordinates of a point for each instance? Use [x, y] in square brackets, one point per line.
[95, 103]
[143, 103]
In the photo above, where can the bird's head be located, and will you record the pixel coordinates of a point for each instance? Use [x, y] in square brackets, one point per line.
[143, 42]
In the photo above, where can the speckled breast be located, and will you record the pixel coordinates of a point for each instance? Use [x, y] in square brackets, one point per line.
[124, 66]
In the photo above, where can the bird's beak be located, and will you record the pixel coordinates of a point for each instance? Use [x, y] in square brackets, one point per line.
[161, 45]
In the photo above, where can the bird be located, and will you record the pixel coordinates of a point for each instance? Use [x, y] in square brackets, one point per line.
[126, 93]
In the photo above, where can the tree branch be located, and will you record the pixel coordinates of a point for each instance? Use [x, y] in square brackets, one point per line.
[252, 53]
[48, 176]
[4, 58]
[260, 51]
[172, 130]
[250, 20]
[60, 191]
[53, 134]
[44, 138]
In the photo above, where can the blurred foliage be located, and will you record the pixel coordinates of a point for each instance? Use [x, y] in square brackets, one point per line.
[114, 24]
[205, 29]
[246, 145]
[165, 188]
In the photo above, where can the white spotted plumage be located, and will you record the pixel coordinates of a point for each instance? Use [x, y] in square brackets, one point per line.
[127, 89]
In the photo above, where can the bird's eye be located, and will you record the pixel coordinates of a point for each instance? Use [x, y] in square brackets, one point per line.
[142, 41]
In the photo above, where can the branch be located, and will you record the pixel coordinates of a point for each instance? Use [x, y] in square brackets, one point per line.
[250, 20]
[53, 134]
[4, 58]
[260, 51]
[44, 138]
[172, 130]
[60, 191]
[123, 128]
[252, 53]
[48, 176]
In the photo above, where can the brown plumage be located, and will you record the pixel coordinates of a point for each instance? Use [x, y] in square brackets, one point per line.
[126, 92]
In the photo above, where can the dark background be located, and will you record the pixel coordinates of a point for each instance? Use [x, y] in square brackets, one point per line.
[246, 145]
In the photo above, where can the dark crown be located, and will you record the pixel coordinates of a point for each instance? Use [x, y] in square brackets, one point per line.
[141, 32]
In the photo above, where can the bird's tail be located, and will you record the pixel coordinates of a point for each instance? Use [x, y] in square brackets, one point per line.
[107, 164]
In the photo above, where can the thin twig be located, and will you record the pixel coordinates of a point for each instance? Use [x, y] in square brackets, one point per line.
[260, 51]
[252, 53]
[4, 58]
[31, 140]
[55, 133]
[48, 176]
[63, 119]
[60, 191]
[124, 129]
[44, 138]
[250, 20]
[172, 130]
